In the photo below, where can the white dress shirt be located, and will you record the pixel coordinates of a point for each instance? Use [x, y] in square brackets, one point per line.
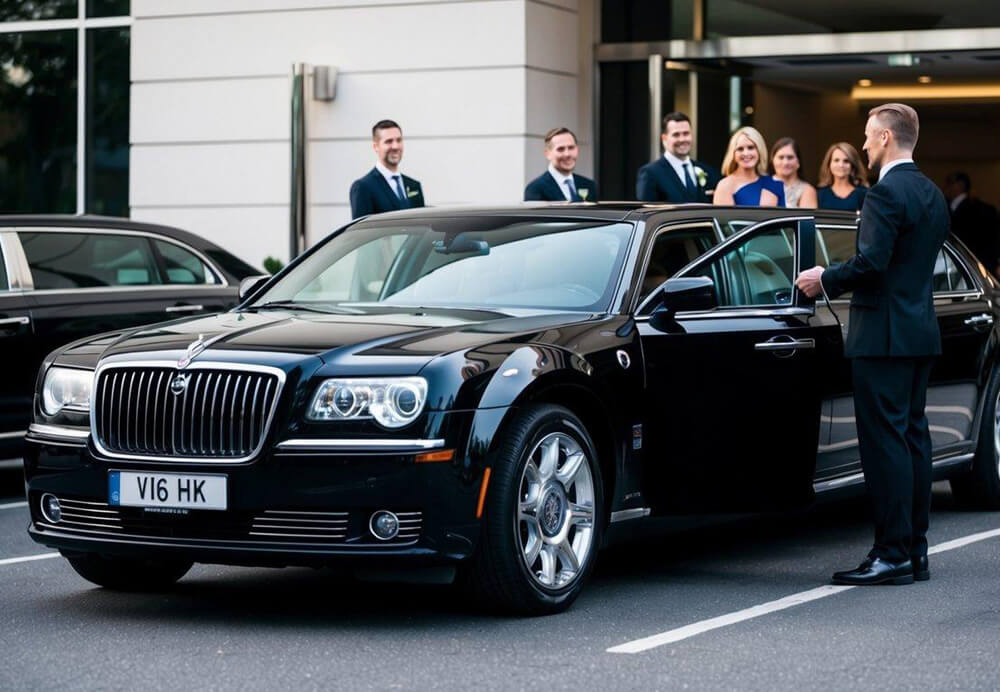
[388, 175]
[561, 178]
[678, 166]
[889, 166]
[957, 201]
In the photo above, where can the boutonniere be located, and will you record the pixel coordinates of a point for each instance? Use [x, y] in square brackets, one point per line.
[411, 193]
[701, 175]
[583, 192]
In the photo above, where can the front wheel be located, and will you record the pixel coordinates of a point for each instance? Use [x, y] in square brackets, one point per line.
[542, 526]
[979, 488]
[128, 574]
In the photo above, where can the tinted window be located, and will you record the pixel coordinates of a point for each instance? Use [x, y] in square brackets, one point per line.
[948, 276]
[4, 284]
[182, 266]
[86, 260]
[759, 271]
[672, 251]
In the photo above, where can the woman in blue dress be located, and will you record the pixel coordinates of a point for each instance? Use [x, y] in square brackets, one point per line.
[843, 179]
[747, 183]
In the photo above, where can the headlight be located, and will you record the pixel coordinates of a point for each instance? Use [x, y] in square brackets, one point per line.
[392, 401]
[66, 388]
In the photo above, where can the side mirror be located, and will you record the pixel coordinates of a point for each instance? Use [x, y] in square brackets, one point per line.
[685, 294]
[251, 284]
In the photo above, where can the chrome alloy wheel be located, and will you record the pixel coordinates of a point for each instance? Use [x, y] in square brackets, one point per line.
[996, 433]
[555, 514]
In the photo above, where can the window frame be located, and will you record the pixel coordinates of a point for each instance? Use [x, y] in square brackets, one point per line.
[637, 307]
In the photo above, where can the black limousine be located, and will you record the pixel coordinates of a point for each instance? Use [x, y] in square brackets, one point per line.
[66, 277]
[488, 391]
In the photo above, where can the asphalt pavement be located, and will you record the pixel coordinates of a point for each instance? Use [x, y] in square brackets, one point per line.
[226, 628]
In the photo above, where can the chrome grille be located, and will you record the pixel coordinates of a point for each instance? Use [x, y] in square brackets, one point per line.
[85, 515]
[410, 524]
[303, 527]
[220, 414]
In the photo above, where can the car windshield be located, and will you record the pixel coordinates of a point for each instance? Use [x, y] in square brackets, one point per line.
[474, 262]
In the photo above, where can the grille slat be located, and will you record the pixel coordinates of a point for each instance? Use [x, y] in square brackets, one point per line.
[137, 412]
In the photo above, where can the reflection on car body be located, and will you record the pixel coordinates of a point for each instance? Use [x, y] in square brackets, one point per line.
[498, 391]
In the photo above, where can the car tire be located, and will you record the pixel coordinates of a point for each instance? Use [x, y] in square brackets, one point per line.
[128, 574]
[979, 488]
[543, 517]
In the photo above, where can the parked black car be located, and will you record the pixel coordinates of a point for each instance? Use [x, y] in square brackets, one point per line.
[486, 389]
[66, 277]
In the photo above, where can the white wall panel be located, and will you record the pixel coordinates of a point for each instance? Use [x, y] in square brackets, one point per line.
[212, 111]
[452, 171]
[426, 104]
[403, 37]
[249, 233]
[166, 8]
[246, 173]
[552, 101]
[551, 38]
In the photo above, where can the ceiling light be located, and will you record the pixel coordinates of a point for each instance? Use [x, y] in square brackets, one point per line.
[929, 91]
[924, 79]
[864, 82]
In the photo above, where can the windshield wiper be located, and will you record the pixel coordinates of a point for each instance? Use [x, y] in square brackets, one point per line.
[293, 305]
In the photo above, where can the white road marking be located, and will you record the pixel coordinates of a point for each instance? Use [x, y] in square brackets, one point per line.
[13, 505]
[27, 558]
[675, 635]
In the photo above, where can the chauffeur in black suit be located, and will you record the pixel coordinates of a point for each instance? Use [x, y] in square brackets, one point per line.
[675, 176]
[559, 183]
[384, 188]
[892, 339]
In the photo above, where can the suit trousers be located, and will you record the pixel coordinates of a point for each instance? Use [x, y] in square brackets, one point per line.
[890, 395]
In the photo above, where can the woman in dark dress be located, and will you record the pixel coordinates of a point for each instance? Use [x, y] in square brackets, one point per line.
[843, 179]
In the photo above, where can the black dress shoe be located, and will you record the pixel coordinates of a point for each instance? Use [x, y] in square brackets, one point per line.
[877, 571]
[921, 569]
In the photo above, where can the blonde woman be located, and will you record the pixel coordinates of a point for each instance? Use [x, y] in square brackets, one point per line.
[747, 183]
[786, 162]
[843, 179]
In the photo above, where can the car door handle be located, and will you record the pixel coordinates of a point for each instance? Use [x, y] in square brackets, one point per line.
[20, 321]
[980, 321]
[184, 308]
[779, 343]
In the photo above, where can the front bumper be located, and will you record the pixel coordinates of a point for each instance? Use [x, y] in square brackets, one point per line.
[287, 507]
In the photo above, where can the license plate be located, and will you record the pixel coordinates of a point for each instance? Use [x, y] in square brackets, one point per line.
[179, 490]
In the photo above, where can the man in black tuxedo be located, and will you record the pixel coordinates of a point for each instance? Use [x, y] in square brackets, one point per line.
[973, 221]
[675, 176]
[559, 183]
[892, 339]
[384, 188]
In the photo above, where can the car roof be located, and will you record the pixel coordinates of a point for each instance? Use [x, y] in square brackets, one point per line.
[609, 211]
[103, 222]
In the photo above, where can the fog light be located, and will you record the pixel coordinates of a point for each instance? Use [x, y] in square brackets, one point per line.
[384, 525]
[51, 509]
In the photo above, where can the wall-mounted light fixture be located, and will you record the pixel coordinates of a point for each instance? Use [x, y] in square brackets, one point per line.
[324, 82]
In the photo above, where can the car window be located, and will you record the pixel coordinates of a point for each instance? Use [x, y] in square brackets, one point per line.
[948, 275]
[672, 251]
[184, 267]
[4, 283]
[835, 245]
[758, 271]
[87, 260]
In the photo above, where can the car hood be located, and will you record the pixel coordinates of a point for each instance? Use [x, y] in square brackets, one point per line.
[410, 337]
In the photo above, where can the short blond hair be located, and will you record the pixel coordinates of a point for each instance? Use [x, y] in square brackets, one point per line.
[729, 164]
[901, 120]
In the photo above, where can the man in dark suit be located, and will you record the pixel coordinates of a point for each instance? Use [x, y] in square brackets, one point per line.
[559, 183]
[675, 176]
[973, 221]
[384, 188]
[892, 339]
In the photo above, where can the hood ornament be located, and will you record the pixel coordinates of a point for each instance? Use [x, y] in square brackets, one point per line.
[196, 347]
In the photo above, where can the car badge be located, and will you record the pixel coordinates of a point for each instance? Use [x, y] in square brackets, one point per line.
[193, 350]
[179, 385]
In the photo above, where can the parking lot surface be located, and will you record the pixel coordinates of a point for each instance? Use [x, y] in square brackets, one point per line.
[696, 604]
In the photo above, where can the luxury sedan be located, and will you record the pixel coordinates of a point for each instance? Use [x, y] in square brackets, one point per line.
[67, 277]
[491, 393]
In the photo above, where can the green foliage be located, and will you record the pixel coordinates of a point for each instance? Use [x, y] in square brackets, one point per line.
[273, 265]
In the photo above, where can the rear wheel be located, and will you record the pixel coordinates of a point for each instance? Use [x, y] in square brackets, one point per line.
[128, 574]
[542, 526]
[979, 488]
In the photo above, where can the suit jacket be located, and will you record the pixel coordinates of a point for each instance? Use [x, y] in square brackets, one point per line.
[544, 188]
[371, 194]
[904, 223]
[975, 223]
[659, 182]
